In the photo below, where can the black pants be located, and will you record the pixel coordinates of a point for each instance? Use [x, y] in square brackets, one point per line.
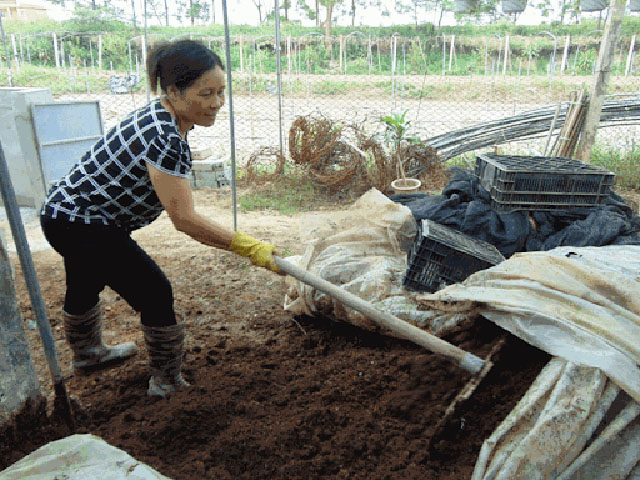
[96, 256]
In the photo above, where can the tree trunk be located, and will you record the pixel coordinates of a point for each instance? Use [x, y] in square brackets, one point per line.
[166, 13]
[600, 80]
[317, 13]
[133, 10]
[353, 13]
[213, 12]
[327, 23]
[93, 4]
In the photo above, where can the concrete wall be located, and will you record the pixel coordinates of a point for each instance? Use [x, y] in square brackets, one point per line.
[18, 142]
[18, 381]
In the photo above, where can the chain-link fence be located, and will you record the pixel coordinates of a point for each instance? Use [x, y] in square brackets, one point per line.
[443, 82]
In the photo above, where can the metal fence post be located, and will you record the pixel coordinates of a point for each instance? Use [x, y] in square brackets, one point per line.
[279, 74]
[6, 52]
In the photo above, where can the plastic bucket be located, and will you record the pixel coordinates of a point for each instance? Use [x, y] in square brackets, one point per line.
[407, 185]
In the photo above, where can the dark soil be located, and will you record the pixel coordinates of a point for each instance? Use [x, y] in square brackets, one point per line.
[272, 396]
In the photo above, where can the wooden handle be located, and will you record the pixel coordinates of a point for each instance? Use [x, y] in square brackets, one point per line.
[466, 360]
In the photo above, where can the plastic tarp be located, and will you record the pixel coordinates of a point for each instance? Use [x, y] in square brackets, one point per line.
[366, 254]
[572, 424]
[465, 206]
[80, 457]
[581, 304]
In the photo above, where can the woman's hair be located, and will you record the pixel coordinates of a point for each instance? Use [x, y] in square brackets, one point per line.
[179, 63]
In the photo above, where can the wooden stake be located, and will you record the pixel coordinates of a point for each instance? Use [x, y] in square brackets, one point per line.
[601, 79]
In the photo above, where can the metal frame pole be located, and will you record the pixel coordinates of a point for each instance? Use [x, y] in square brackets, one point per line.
[37, 302]
[279, 73]
[232, 130]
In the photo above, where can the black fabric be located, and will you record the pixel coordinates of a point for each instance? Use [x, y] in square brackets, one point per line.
[96, 256]
[110, 185]
[465, 206]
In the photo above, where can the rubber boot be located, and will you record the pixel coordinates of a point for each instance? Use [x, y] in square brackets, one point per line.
[165, 345]
[84, 334]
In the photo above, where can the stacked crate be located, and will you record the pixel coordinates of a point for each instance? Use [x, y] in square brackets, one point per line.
[441, 256]
[541, 183]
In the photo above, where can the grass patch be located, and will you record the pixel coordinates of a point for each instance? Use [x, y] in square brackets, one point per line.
[287, 195]
[626, 165]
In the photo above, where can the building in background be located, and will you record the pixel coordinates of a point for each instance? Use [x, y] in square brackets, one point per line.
[23, 11]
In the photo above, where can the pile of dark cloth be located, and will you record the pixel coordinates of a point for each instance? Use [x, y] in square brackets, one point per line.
[465, 206]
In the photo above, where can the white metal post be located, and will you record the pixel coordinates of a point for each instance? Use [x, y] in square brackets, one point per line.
[630, 56]
[55, 50]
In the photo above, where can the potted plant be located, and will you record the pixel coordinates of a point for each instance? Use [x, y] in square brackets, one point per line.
[396, 132]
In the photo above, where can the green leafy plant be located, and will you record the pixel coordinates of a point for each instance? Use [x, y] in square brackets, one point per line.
[396, 129]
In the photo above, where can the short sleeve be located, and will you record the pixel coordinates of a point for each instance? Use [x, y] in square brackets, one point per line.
[169, 156]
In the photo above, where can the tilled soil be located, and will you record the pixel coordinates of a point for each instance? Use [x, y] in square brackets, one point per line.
[272, 396]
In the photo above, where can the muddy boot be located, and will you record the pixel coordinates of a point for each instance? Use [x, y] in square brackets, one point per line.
[165, 346]
[84, 334]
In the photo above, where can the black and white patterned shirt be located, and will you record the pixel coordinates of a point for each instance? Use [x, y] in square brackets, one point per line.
[111, 185]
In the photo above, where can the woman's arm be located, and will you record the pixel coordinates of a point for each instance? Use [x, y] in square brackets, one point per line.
[175, 195]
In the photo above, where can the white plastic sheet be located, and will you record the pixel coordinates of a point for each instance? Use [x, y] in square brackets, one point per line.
[581, 304]
[365, 254]
[545, 435]
[80, 457]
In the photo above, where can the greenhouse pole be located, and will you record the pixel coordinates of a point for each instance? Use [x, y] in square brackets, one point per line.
[232, 132]
[601, 79]
[6, 52]
[279, 73]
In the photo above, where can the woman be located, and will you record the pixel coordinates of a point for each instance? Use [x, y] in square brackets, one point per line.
[137, 170]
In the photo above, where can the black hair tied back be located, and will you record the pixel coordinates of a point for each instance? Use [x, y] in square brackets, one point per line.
[179, 63]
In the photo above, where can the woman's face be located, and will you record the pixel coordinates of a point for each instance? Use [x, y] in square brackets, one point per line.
[199, 103]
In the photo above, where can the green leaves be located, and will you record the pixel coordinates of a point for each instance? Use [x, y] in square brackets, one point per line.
[396, 128]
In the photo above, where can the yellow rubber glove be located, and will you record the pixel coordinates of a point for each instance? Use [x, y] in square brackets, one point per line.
[260, 253]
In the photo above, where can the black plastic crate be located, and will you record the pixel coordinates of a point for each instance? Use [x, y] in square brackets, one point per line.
[541, 183]
[442, 256]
